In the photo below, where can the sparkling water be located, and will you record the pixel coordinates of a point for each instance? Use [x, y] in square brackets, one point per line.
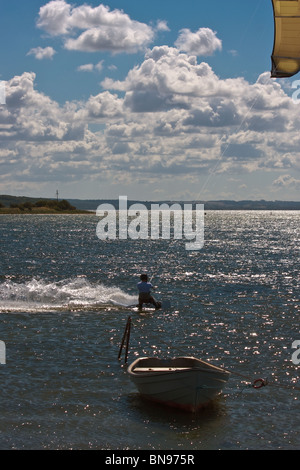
[235, 303]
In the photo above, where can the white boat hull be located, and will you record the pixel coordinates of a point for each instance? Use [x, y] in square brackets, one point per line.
[184, 382]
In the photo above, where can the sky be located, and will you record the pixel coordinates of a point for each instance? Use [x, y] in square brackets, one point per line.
[160, 100]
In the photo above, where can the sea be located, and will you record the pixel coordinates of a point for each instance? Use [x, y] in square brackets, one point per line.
[65, 298]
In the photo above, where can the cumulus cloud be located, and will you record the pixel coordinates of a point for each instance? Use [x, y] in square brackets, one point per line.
[99, 66]
[102, 29]
[205, 120]
[203, 42]
[85, 68]
[103, 105]
[42, 52]
[90, 67]
[54, 16]
[171, 115]
[168, 79]
[33, 116]
[287, 181]
[162, 25]
[2, 92]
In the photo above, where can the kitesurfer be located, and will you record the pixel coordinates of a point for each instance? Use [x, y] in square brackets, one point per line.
[145, 296]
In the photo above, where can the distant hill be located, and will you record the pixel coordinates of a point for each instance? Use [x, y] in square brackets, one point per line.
[208, 205]
[92, 204]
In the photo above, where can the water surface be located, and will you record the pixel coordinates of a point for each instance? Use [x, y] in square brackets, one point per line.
[234, 303]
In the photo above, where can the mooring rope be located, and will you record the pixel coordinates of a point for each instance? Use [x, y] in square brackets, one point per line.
[260, 382]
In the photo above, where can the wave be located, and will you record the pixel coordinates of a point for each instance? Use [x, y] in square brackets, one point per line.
[78, 294]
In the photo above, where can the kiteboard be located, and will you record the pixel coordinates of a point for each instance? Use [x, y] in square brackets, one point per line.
[164, 305]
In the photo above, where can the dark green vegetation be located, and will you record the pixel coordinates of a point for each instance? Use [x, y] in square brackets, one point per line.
[23, 205]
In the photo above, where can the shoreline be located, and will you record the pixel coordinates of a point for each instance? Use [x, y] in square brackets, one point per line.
[40, 211]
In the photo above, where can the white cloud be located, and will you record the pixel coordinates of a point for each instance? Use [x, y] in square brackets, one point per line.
[111, 39]
[203, 42]
[2, 92]
[287, 181]
[102, 29]
[42, 53]
[33, 116]
[169, 79]
[170, 116]
[99, 66]
[103, 105]
[162, 25]
[91, 67]
[233, 52]
[85, 68]
[53, 17]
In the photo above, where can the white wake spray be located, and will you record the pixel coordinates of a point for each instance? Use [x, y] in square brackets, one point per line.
[77, 293]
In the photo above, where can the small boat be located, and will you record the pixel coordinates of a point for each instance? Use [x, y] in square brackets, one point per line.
[183, 382]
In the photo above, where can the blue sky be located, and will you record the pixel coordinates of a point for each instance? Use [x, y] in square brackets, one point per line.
[153, 100]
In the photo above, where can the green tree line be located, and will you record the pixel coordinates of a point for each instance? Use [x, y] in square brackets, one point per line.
[62, 205]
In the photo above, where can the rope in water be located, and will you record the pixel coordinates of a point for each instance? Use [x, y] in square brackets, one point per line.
[260, 382]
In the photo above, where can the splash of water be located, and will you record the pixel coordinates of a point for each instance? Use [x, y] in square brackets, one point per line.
[38, 295]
